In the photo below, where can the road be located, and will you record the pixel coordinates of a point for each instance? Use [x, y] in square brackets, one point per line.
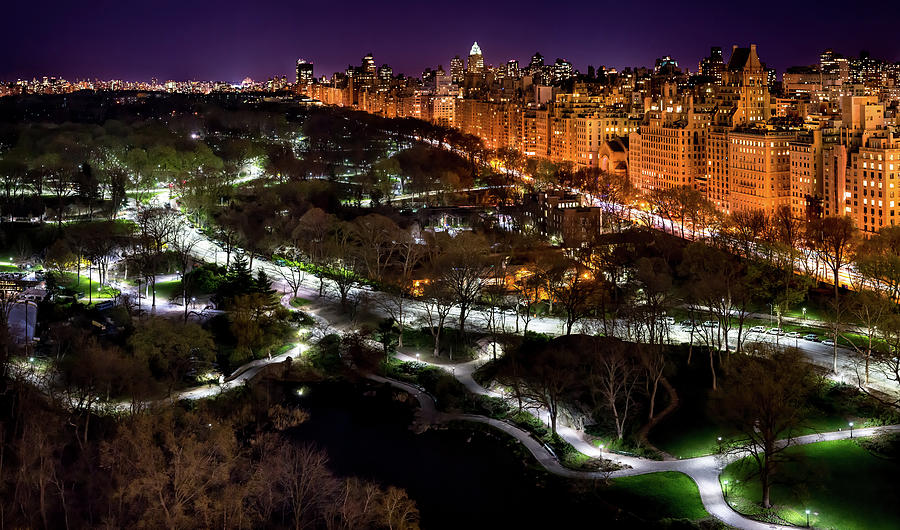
[816, 352]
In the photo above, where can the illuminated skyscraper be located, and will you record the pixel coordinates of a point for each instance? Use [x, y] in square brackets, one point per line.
[476, 60]
[368, 64]
[512, 69]
[385, 73]
[562, 71]
[536, 64]
[457, 71]
[304, 72]
[713, 65]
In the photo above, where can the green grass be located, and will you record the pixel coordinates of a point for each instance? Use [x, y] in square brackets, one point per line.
[847, 486]
[5, 267]
[668, 494]
[300, 302]
[167, 290]
[689, 441]
[83, 285]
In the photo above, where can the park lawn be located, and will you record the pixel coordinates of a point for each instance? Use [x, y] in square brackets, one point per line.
[168, 290]
[699, 438]
[847, 486]
[654, 496]
[300, 302]
[6, 267]
[84, 284]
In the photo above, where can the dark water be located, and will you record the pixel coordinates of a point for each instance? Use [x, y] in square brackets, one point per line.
[458, 478]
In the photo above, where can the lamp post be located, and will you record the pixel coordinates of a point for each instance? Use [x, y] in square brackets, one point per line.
[417, 357]
[804, 313]
[851, 429]
[725, 483]
[807, 517]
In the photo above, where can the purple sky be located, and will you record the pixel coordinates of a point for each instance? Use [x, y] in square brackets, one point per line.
[228, 40]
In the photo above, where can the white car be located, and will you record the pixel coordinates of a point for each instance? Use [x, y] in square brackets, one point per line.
[793, 334]
[758, 329]
[711, 324]
[828, 342]
[775, 331]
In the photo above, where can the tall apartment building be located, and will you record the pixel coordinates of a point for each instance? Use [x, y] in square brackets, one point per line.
[536, 132]
[670, 148]
[871, 187]
[759, 169]
[745, 88]
[806, 174]
[444, 112]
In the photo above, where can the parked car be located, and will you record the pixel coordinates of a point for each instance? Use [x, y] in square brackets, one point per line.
[775, 331]
[811, 336]
[669, 320]
[711, 324]
[793, 335]
[688, 324]
[758, 329]
[828, 342]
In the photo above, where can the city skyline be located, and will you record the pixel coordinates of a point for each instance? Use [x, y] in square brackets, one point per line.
[185, 42]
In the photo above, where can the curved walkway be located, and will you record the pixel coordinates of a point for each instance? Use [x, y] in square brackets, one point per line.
[704, 470]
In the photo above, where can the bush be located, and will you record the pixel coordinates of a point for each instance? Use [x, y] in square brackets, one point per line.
[884, 445]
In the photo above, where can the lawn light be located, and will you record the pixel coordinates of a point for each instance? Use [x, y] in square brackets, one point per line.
[725, 483]
[807, 517]
[851, 429]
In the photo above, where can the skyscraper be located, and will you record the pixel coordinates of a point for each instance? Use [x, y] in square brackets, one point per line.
[536, 64]
[304, 72]
[512, 69]
[476, 60]
[457, 71]
[713, 65]
[562, 71]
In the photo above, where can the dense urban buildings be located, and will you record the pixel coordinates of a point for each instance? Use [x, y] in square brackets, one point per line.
[729, 130]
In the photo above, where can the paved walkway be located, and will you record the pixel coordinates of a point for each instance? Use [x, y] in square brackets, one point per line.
[704, 470]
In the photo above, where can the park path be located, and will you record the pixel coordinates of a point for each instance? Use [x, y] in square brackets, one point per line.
[704, 470]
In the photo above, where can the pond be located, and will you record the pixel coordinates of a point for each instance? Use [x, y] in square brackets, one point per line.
[458, 477]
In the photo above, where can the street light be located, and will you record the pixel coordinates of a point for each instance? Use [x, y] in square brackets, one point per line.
[807, 517]
[804, 313]
[417, 357]
[851, 429]
[725, 482]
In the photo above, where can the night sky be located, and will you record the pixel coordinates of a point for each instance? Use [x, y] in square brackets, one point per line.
[229, 39]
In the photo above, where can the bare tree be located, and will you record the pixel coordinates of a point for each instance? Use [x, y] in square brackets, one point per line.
[463, 269]
[613, 378]
[437, 303]
[763, 401]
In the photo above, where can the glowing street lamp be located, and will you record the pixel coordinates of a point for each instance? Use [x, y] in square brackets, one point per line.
[725, 483]
[807, 517]
[804, 313]
[851, 429]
